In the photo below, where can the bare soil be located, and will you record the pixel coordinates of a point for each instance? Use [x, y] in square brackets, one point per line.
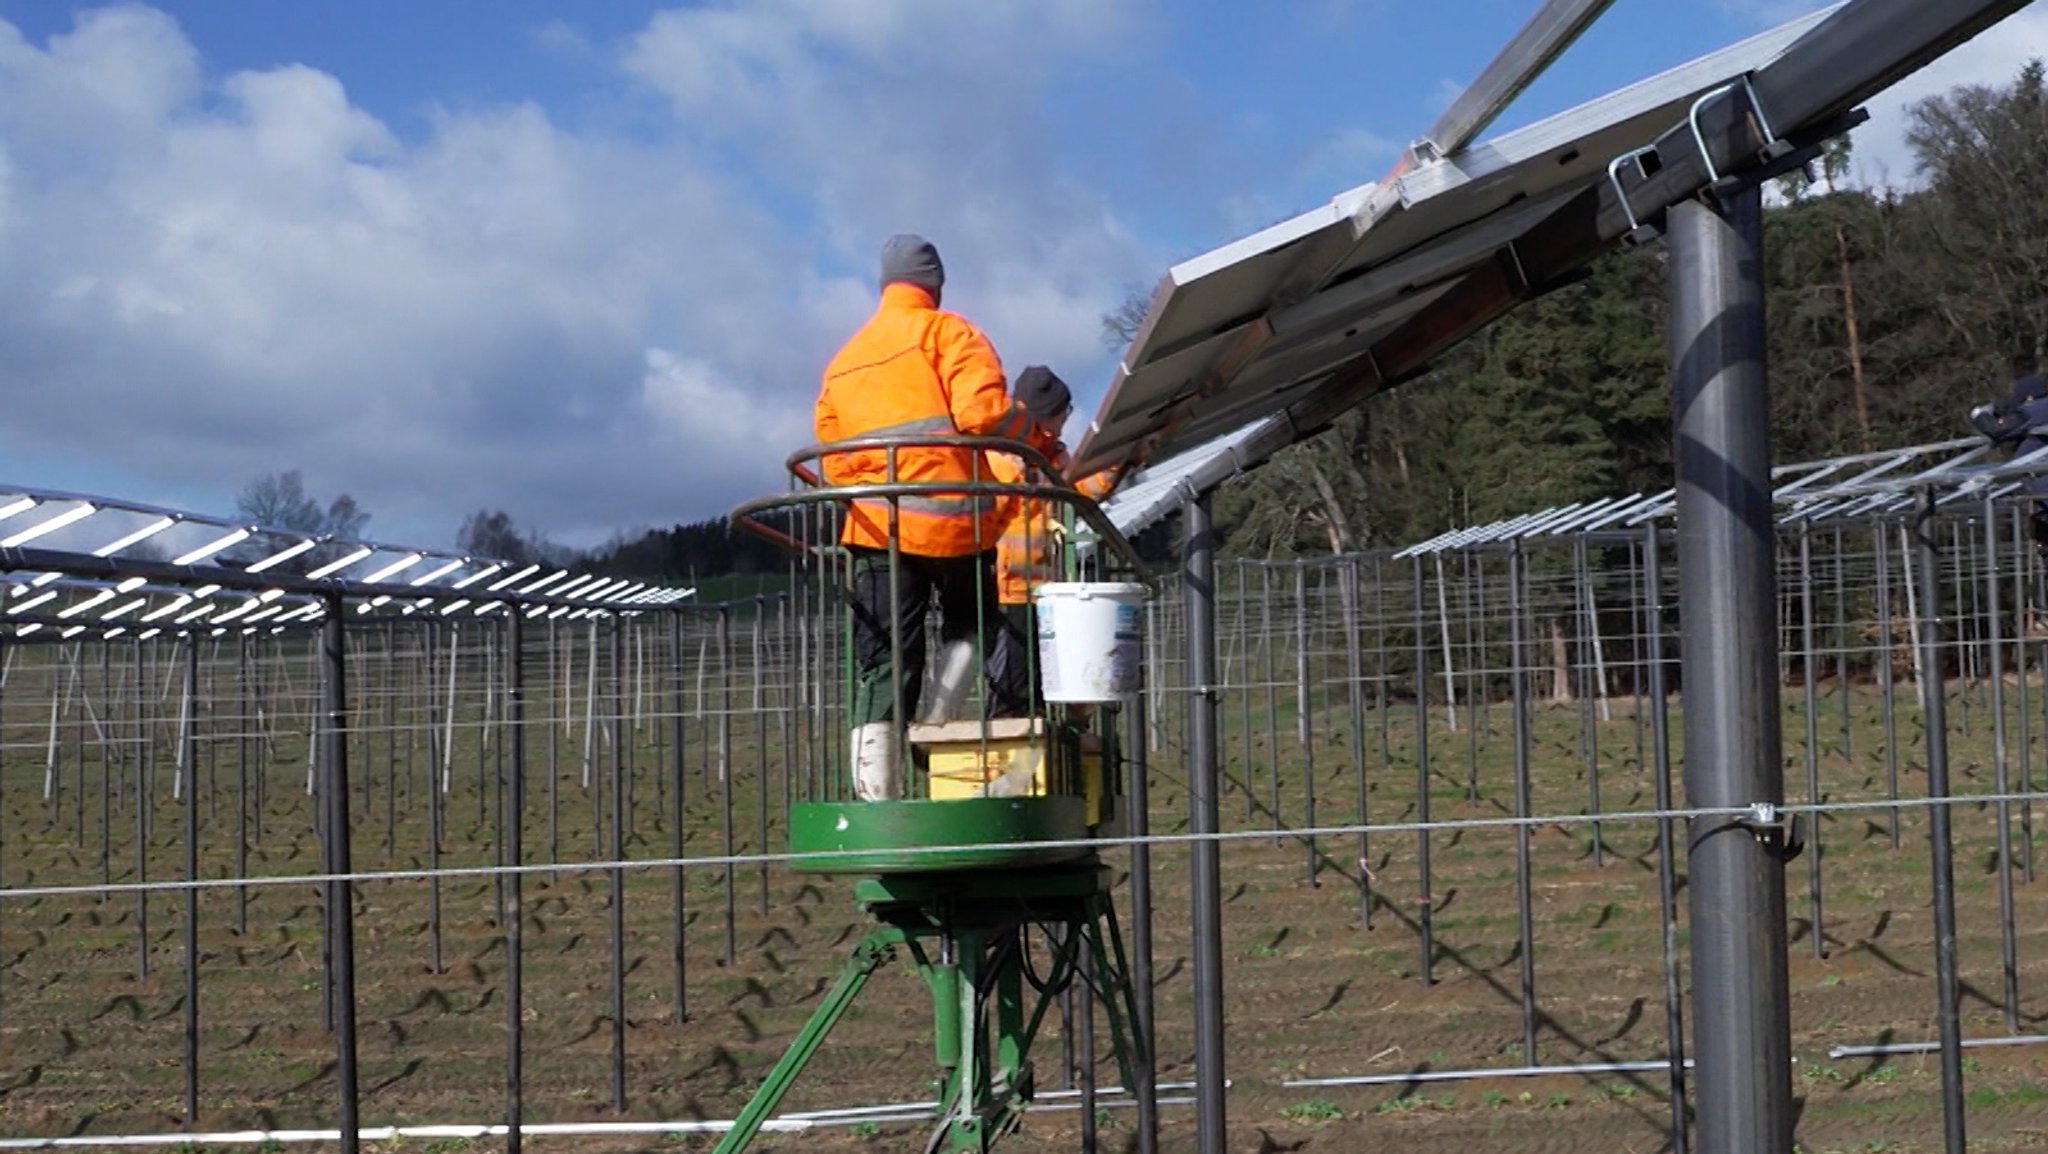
[90, 1045]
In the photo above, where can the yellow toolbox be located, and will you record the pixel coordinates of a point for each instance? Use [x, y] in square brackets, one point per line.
[1012, 757]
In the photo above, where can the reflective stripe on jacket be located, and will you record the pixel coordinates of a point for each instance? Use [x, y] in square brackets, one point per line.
[1026, 554]
[915, 369]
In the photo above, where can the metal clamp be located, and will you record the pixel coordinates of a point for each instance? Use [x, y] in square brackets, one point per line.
[1773, 146]
[1636, 230]
[1781, 833]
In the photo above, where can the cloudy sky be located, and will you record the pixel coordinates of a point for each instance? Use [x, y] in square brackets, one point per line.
[584, 262]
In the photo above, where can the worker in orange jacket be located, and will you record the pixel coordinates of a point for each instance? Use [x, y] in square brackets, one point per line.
[913, 368]
[1027, 552]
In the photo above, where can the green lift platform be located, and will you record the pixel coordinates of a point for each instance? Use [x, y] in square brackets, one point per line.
[968, 917]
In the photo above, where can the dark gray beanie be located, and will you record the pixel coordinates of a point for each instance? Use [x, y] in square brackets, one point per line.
[1042, 393]
[908, 258]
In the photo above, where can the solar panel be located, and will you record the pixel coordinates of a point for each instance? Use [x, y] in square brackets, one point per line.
[1310, 294]
[1308, 317]
[1147, 497]
[1833, 489]
[69, 563]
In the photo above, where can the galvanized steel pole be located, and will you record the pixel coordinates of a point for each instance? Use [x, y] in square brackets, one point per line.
[340, 893]
[1667, 884]
[1939, 834]
[514, 922]
[1424, 902]
[679, 994]
[1137, 793]
[2009, 964]
[1728, 644]
[1810, 682]
[1206, 898]
[617, 901]
[188, 756]
[1525, 915]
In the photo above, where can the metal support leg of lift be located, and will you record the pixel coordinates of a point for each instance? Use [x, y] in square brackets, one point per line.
[968, 964]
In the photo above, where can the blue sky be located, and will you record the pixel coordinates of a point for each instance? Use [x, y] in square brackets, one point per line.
[583, 262]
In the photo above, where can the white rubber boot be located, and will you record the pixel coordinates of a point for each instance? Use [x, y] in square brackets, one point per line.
[877, 771]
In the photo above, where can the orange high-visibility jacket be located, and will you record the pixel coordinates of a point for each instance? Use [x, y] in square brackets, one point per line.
[915, 369]
[1025, 554]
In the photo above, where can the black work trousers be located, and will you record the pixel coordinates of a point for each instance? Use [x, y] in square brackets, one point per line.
[964, 591]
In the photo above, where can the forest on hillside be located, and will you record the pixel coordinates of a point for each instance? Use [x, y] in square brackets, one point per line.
[1890, 313]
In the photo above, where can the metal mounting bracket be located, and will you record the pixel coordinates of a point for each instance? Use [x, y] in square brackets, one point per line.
[1638, 232]
[1774, 147]
[1781, 833]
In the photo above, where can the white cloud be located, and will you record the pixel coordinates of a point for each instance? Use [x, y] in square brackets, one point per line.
[209, 278]
[900, 115]
[1882, 157]
[562, 37]
[695, 403]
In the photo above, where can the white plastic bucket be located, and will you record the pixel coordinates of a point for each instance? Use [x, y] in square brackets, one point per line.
[1090, 640]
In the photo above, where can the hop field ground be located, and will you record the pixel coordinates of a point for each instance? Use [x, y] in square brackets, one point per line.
[90, 1044]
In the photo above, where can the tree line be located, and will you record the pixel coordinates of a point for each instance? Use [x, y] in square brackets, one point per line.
[683, 552]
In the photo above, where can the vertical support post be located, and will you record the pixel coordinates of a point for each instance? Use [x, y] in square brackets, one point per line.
[145, 754]
[1206, 890]
[1994, 638]
[1137, 796]
[565, 705]
[340, 896]
[435, 800]
[1244, 654]
[1477, 689]
[618, 853]
[316, 783]
[107, 738]
[1809, 658]
[107, 759]
[1667, 853]
[2022, 558]
[188, 754]
[242, 722]
[1726, 562]
[729, 870]
[1425, 904]
[1518, 646]
[1593, 701]
[1938, 825]
[1443, 617]
[491, 761]
[1272, 679]
[1966, 615]
[1887, 697]
[1304, 725]
[1354, 675]
[390, 671]
[515, 822]
[677, 895]
[1842, 683]
[761, 749]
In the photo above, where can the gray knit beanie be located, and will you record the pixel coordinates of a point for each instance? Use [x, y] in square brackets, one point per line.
[1042, 393]
[911, 259]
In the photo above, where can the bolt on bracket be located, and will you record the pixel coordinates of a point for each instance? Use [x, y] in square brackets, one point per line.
[1782, 833]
